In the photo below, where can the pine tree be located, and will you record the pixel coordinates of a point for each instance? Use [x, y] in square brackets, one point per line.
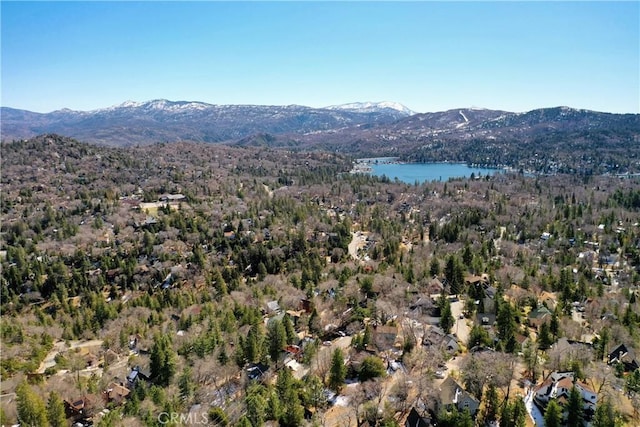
[55, 410]
[514, 414]
[338, 370]
[162, 360]
[490, 411]
[554, 325]
[465, 419]
[277, 339]
[434, 267]
[575, 410]
[553, 414]
[31, 409]
[605, 415]
[253, 345]
[256, 404]
[519, 415]
[446, 319]
[293, 411]
[506, 323]
[292, 338]
[218, 417]
[186, 384]
[454, 272]
[544, 337]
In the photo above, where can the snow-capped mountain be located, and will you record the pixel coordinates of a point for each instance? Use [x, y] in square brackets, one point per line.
[162, 120]
[374, 107]
[371, 127]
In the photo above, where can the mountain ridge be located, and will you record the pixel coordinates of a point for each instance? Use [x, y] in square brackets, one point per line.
[157, 120]
[363, 127]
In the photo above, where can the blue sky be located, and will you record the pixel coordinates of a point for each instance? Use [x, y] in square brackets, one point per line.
[430, 56]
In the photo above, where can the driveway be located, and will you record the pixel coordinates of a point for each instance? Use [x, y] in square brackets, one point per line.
[60, 347]
[533, 410]
[461, 327]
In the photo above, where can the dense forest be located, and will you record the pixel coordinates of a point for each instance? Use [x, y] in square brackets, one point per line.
[195, 284]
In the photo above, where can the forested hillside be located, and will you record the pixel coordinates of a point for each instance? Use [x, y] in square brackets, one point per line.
[189, 283]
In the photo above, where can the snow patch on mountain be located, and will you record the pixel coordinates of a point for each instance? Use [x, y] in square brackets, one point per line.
[372, 107]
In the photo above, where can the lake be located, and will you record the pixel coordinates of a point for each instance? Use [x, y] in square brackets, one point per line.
[421, 172]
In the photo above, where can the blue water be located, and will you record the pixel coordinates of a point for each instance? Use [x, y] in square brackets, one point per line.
[426, 172]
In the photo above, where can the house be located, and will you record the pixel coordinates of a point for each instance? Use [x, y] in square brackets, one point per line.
[558, 385]
[477, 280]
[384, 337]
[80, 409]
[256, 371]
[621, 354]
[273, 307]
[434, 287]
[522, 340]
[425, 306]
[452, 394]
[115, 394]
[416, 420]
[110, 357]
[539, 315]
[435, 336]
[548, 299]
[306, 305]
[136, 375]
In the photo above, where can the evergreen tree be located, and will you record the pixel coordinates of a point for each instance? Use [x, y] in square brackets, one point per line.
[506, 415]
[274, 406]
[602, 344]
[55, 410]
[338, 370]
[519, 413]
[256, 404]
[293, 413]
[277, 339]
[186, 384]
[218, 417]
[506, 325]
[434, 267]
[162, 360]
[605, 415]
[632, 383]
[454, 272]
[253, 344]
[544, 337]
[553, 414]
[371, 367]
[465, 419]
[223, 358]
[31, 409]
[446, 319]
[478, 336]
[366, 337]
[554, 325]
[292, 338]
[244, 422]
[490, 411]
[575, 410]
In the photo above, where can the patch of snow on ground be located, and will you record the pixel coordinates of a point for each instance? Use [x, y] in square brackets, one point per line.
[533, 410]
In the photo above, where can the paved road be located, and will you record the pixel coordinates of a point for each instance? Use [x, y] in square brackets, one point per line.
[461, 328]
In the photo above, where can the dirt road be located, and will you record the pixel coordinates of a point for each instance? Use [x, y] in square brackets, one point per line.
[60, 347]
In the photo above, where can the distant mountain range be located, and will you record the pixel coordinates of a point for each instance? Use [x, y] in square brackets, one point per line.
[162, 120]
[543, 139]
